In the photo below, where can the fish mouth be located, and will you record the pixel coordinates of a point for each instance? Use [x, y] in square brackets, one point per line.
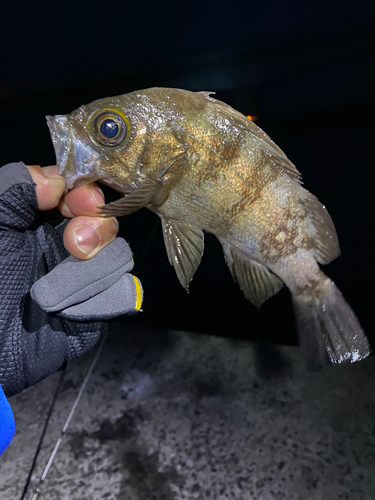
[76, 160]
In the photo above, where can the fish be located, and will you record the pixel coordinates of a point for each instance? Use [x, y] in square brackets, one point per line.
[201, 165]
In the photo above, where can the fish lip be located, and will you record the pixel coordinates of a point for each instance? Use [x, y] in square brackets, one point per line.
[59, 130]
[76, 160]
[79, 180]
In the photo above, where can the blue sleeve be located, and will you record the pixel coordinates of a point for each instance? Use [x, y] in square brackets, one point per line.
[7, 426]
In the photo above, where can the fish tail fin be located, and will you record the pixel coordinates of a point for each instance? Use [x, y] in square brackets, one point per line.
[328, 329]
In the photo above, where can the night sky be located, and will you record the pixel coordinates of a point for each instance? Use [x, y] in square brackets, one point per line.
[306, 69]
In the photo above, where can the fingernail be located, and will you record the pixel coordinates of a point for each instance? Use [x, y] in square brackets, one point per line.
[51, 171]
[115, 224]
[87, 238]
[94, 190]
[65, 210]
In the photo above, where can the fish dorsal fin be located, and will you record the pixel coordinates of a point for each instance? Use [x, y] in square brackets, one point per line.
[184, 244]
[206, 94]
[255, 280]
[271, 149]
[130, 203]
[321, 229]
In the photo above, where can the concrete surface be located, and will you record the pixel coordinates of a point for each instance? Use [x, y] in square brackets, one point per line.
[172, 416]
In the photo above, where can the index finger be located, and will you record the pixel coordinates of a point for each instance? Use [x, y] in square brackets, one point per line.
[49, 185]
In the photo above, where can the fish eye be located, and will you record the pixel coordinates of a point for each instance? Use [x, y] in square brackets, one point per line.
[109, 127]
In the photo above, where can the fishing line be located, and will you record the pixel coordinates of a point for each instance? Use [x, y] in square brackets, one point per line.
[55, 396]
[69, 418]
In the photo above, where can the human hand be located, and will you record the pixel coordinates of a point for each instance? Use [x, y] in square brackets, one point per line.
[86, 234]
[78, 293]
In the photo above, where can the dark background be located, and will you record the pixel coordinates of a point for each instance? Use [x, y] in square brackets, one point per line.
[306, 69]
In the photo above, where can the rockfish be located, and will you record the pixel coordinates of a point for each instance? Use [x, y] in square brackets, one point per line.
[201, 165]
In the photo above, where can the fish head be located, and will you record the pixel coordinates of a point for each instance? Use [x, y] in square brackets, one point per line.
[98, 142]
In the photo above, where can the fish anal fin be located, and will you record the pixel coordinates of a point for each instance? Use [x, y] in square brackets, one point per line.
[255, 280]
[184, 244]
[145, 193]
[322, 230]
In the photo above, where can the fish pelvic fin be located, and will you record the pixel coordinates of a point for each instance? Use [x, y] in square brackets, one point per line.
[328, 330]
[184, 244]
[321, 228]
[255, 280]
[141, 196]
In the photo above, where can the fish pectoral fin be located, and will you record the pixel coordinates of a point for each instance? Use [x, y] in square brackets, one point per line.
[130, 203]
[184, 244]
[255, 280]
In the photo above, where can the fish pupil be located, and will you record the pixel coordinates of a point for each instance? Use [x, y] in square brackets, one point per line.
[109, 128]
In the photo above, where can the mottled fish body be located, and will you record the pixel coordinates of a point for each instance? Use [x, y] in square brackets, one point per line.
[201, 165]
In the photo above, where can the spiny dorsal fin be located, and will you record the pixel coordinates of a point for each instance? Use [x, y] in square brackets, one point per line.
[206, 94]
[184, 244]
[275, 154]
[130, 203]
[255, 280]
[321, 229]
